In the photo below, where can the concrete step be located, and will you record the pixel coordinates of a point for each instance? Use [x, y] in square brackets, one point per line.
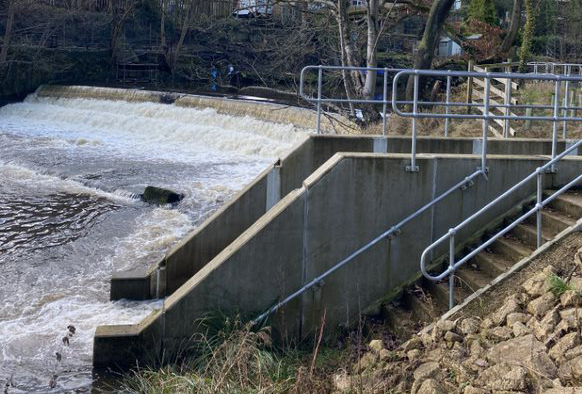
[527, 233]
[440, 293]
[400, 320]
[568, 203]
[511, 249]
[491, 263]
[422, 304]
[472, 278]
[553, 222]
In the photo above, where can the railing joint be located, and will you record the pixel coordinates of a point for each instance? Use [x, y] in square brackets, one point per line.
[412, 169]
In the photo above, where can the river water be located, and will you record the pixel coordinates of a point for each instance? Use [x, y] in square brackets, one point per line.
[69, 173]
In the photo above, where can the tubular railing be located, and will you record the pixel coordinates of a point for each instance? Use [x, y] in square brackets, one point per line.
[540, 204]
[390, 233]
[320, 99]
[558, 113]
[463, 184]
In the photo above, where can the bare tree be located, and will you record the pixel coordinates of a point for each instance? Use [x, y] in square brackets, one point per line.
[8, 30]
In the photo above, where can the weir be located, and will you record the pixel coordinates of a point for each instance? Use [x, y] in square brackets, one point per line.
[310, 209]
[342, 205]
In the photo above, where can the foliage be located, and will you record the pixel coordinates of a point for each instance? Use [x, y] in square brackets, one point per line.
[484, 11]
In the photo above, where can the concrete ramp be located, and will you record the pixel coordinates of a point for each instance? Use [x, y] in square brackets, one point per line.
[345, 203]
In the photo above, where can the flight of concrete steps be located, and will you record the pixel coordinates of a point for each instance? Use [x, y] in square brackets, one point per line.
[426, 301]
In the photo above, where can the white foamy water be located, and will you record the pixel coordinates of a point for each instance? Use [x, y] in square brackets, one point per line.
[70, 170]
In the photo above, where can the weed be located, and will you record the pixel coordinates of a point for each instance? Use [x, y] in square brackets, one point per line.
[558, 286]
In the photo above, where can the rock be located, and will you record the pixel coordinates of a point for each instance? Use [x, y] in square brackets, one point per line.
[413, 343]
[566, 343]
[510, 306]
[545, 327]
[430, 386]
[157, 195]
[427, 370]
[564, 390]
[452, 337]
[474, 390]
[573, 353]
[504, 376]
[526, 351]
[571, 370]
[468, 326]
[476, 350]
[570, 298]
[512, 318]
[413, 354]
[487, 323]
[367, 361]
[573, 316]
[520, 329]
[538, 284]
[376, 345]
[541, 305]
[386, 355]
[435, 355]
[499, 333]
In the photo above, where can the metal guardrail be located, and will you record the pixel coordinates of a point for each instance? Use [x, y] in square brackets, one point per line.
[555, 68]
[463, 184]
[320, 99]
[559, 113]
[390, 233]
[540, 204]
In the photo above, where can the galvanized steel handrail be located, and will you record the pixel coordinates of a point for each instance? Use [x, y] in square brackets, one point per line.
[540, 203]
[319, 99]
[390, 233]
[486, 105]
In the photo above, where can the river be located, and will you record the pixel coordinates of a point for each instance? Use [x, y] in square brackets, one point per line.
[70, 173]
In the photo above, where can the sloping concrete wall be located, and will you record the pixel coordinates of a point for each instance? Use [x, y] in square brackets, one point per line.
[287, 174]
[344, 204]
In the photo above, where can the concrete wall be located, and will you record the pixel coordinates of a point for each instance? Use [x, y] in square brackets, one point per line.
[220, 229]
[344, 204]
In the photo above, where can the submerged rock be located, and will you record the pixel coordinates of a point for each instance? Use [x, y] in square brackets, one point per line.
[157, 195]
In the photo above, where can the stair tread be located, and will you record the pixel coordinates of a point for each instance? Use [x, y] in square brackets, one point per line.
[516, 244]
[473, 278]
[558, 215]
[500, 263]
[532, 229]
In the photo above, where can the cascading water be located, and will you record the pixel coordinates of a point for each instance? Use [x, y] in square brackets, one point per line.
[69, 173]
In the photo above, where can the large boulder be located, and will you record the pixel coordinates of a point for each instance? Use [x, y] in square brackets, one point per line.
[157, 195]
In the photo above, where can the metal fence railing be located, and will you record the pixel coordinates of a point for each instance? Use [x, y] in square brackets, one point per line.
[416, 113]
[540, 203]
[554, 113]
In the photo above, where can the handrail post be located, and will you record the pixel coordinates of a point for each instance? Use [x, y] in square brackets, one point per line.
[539, 209]
[485, 124]
[452, 268]
[319, 83]
[557, 87]
[506, 123]
[413, 167]
[448, 100]
[567, 71]
[385, 97]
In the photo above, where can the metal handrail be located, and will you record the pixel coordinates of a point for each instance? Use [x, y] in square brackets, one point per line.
[320, 99]
[486, 105]
[540, 203]
[390, 233]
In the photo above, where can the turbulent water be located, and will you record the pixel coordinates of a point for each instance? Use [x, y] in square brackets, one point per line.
[69, 173]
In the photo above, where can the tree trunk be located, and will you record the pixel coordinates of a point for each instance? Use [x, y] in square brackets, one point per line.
[427, 45]
[183, 33]
[513, 27]
[371, 51]
[8, 31]
[524, 50]
[162, 24]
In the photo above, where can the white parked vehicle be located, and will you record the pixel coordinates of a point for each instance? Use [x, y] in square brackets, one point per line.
[252, 8]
